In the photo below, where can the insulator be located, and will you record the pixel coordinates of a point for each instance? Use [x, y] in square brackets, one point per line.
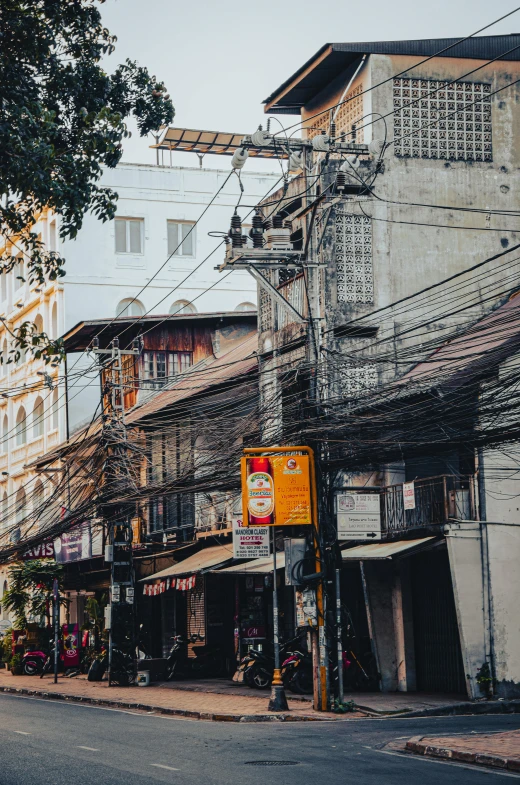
[341, 181]
[235, 231]
[267, 224]
[333, 130]
[321, 143]
[257, 232]
[240, 156]
[295, 163]
[277, 221]
[115, 343]
[244, 240]
[351, 162]
[260, 138]
[375, 148]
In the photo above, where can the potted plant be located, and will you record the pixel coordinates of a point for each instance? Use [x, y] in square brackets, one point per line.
[16, 665]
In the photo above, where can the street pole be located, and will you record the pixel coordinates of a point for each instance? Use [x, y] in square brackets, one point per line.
[56, 599]
[278, 701]
[339, 636]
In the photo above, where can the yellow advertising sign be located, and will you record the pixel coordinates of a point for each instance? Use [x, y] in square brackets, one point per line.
[276, 490]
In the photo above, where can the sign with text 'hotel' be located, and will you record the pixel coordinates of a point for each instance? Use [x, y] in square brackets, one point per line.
[250, 542]
[358, 514]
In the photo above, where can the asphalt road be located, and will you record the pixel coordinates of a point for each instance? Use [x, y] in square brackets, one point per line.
[47, 743]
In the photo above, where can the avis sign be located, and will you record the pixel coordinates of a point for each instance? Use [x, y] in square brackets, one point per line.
[250, 542]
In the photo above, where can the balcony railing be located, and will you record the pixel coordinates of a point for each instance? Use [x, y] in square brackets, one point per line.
[437, 499]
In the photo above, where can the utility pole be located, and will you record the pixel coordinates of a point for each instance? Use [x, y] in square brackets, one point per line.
[56, 619]
[118, 480]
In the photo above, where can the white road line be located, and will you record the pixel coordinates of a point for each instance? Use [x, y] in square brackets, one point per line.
[90, 749]
[162, 766]
[474, 769]
[22, 732]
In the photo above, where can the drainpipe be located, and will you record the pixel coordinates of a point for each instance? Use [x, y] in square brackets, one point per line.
[484, 557]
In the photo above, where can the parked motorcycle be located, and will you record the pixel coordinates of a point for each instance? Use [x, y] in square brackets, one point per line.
[208, 660]
[33, 662]
[258, 665]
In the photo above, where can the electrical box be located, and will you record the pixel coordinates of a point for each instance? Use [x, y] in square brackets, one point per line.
[108, 617]
[116, 592]
[109, 553]
[295, 549]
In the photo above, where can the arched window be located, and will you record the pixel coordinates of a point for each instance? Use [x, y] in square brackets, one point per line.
[5, 434]
[5, 614]
[54, 321]
[20, 513]
[22, 355]
[37, 418]
[182, 307]
[4, 524]
[130, 307]
[38, 500]
[21, 427]
[54, 422]
[38, 323]
[246, 307]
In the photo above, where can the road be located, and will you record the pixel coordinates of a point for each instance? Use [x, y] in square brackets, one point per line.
[47, 743]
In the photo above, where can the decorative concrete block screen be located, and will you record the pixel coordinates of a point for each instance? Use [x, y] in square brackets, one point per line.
[359, 381]
[349, 115]
[353, 249]
[439, 120]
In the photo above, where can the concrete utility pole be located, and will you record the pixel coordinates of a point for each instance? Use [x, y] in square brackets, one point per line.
[117, 481]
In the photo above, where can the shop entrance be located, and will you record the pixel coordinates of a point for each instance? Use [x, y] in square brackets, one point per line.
[438, 657]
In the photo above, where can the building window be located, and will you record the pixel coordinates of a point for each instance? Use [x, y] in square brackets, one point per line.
[5, 434]
[246, 307]
[3, 287]
[21, 501]
[160, 367]
[38, 501]
[354, 258]
[18, 273]
[434, 119]
[53, 239]
[54, 320]
[182, 307]
[21, 427]
[129, 235]
[38, 417]
[130, 307]
[181, 238]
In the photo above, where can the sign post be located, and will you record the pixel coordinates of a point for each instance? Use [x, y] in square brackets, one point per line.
[283, 492]
[56, 603]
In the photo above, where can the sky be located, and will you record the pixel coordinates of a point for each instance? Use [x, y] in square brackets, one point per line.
[219, 61]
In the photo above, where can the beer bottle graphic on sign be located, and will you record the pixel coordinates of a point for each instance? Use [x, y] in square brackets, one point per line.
[260, 492]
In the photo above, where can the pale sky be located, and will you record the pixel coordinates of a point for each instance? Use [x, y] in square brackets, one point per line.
[219, 61]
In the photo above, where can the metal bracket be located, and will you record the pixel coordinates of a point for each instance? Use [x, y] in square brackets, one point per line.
[273, 292]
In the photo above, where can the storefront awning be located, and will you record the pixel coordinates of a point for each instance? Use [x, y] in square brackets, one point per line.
[255, 567]
[383, 550]
[202, 560]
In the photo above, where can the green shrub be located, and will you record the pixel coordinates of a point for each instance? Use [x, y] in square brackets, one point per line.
[16, 665]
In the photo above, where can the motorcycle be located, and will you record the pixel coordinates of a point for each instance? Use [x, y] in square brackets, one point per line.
[297, 672]
[123, 672]
[258, 666]
[208, 660]
[33, 662]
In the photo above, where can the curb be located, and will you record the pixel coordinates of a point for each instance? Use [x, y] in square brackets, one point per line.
[194, 715]
[420, 746]
[477, 707]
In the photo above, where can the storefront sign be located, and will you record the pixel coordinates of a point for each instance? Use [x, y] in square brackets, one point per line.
[409, 495]
[276, 490]
[250, 542]
[45, 550]
[358, 515]
[70, 637]
[82, 542]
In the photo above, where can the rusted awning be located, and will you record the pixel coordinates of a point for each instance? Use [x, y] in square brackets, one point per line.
[383, 550]
[191, 140]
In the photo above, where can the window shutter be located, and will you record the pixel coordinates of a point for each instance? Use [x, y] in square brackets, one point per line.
[173, 238]
[120, 224]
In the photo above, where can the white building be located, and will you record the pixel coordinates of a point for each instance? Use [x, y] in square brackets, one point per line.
[155, 257]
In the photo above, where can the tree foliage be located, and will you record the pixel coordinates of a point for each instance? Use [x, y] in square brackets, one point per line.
[62, 119]
[30, 589]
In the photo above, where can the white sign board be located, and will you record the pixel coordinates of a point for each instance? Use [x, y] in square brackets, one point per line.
[251, 542]
[358, 516]
[408, 496]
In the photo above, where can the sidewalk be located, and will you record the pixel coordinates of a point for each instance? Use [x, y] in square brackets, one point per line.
[166, 698]
[500, 750]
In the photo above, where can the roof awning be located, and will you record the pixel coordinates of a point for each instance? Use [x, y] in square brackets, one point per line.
[198, 562]
[255, 567]
[383, 550]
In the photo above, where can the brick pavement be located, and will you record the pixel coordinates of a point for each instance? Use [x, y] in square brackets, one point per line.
[163, 698]
[500, 750]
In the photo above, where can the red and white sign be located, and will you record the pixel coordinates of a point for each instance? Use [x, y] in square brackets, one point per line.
[250, 542]
[409, 495]
[45, 550]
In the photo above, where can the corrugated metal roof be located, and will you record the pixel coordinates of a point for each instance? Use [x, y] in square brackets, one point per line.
[332, 59]
[202, 560]
[382, 550]
[206, 374]
[480, 347]
[255, 567]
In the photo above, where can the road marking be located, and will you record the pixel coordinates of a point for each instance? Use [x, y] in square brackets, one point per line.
[22, 732]
[162, 766]
[474, 769]
[90, 749]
